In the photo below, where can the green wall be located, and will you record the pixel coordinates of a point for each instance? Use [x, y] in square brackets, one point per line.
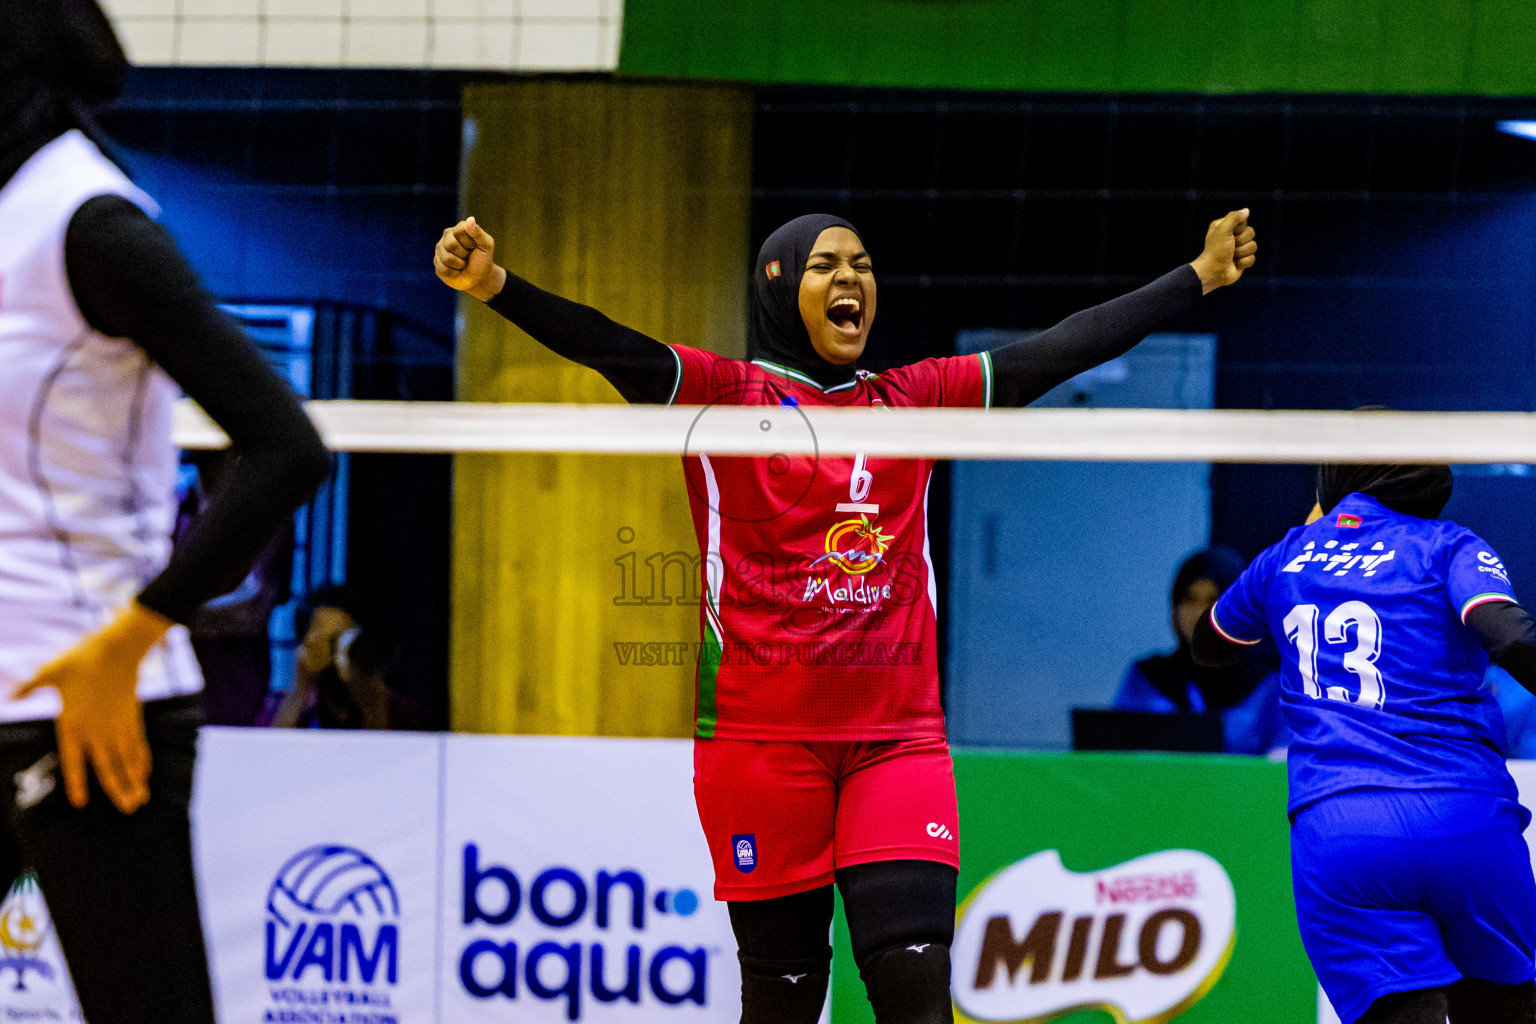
[1377, 46]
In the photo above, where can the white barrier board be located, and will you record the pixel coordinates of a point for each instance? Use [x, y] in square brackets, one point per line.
[398, 878]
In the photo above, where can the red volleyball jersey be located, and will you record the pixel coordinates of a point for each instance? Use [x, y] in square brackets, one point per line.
[818, 617]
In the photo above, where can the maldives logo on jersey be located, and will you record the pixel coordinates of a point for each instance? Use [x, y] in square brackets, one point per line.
[1348, 521]
[772, 270]
[856, 546]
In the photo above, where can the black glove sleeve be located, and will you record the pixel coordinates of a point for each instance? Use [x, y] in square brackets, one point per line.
[1025, 370]
[131, 281]
[1210, 649]
[1508, 634]
[641, 368]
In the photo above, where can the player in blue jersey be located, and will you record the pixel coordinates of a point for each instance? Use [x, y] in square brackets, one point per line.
[1413, 882]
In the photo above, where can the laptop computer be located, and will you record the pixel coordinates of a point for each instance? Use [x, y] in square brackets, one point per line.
[1109, 729]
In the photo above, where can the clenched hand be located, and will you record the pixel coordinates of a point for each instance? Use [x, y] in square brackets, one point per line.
[465, 260]
[1229, 250]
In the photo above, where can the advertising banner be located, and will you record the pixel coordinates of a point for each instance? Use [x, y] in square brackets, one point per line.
[318, 864]
[396, 878]
[577, 886]
[34, 982]
[1119, 887]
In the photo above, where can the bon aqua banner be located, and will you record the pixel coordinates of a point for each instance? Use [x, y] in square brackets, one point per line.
[1118, 887]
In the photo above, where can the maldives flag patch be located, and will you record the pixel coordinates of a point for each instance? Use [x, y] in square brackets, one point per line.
[1348, 521]
[773, 270]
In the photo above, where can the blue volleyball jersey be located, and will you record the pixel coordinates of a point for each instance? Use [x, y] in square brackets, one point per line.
[1382, 682]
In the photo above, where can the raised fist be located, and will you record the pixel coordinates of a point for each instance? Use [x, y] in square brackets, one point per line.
[465, 260]
[1229, 250]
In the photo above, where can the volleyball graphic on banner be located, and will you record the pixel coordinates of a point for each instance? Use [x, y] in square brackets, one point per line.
[331, 916]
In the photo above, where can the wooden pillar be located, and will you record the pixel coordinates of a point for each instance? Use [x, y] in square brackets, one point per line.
[634, 199]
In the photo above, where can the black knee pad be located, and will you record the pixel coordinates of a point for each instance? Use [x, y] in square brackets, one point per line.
[785, 959]
[901, 919]
[784, 991]
[908, 983]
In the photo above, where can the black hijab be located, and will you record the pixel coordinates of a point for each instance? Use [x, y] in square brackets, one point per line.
[1412, 490]
[59, 61]
[1220, 564]
[1221, 688]
[775, 331]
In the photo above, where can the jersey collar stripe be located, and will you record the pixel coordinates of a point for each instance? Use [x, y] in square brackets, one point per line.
[796, 375]
[1489, 598]
[1228, 636]
[679, 382]
[986, 377]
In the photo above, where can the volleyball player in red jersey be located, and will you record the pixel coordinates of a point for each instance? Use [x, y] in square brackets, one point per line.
[820, 753]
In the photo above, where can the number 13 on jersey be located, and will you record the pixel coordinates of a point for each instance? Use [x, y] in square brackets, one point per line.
[1301, 629]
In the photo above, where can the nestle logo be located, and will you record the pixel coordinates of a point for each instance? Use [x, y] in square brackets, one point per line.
[1146, 888]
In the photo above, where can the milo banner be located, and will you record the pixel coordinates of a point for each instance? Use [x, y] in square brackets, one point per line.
[1098, 888]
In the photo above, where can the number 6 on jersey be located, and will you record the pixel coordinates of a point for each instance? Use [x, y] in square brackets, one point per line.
[1301, 629]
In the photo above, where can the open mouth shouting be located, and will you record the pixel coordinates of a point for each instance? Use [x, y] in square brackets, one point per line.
[846, 313]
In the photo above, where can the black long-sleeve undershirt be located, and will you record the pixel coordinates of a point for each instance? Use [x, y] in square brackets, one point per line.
[1025, 370]
[1505, 630]
[1508, 634]
[130, 281]
[639, 367]
[644, 370]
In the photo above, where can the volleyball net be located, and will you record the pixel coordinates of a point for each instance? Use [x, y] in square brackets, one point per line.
[1094, 435]
[1057, 532]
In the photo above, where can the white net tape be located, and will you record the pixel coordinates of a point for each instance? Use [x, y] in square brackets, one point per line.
[1108, 435]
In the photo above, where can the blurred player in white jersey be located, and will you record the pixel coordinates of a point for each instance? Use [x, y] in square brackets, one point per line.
[101, 321]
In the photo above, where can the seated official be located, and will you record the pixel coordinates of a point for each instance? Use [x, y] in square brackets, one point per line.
[1246, 695]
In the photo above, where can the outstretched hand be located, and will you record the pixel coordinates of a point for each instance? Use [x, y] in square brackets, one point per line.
[1229, 250]
[101, 727]
[465, 260]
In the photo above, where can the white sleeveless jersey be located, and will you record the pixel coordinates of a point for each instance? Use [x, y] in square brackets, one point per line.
[87, 466]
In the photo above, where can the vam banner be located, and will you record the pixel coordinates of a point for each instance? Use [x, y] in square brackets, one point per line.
[392, 878]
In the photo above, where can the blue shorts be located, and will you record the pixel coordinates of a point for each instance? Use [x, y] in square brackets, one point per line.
[1399, 890]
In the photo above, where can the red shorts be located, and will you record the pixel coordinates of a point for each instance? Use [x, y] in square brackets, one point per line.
[781, 816]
